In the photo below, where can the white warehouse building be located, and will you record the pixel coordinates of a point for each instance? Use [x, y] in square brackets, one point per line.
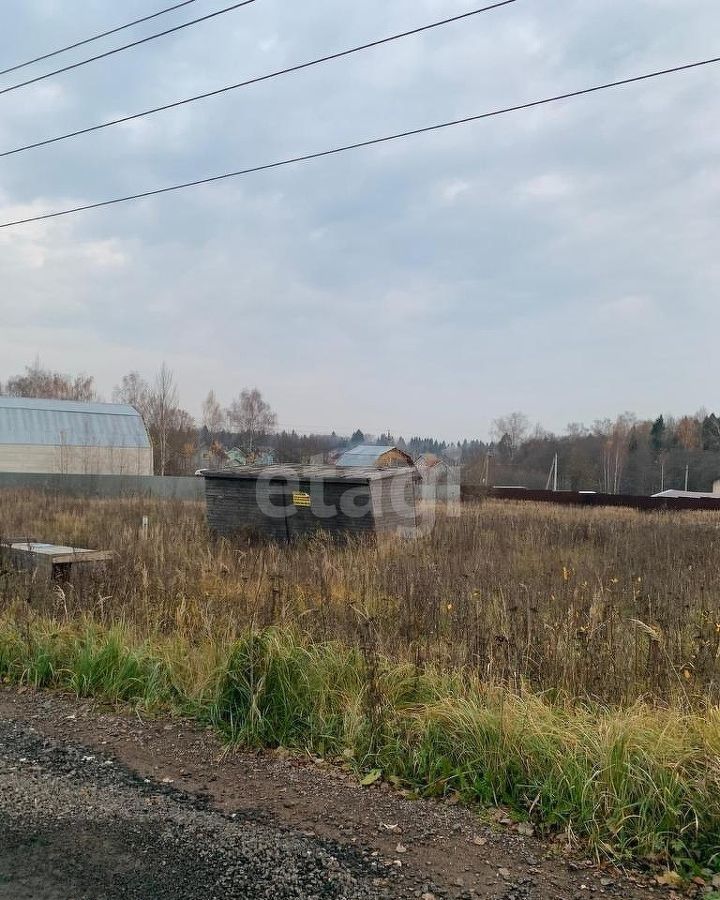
[72, 438]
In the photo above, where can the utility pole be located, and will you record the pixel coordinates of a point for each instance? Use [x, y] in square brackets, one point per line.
[687, 472]
[553, 475]
[662, 474]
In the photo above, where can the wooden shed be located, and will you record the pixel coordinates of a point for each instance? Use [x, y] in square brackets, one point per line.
[288, 502]
[372, 456]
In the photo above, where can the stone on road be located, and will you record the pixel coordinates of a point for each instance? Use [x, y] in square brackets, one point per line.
[76, 826]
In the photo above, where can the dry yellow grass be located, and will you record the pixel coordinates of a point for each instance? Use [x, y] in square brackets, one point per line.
[614, 605]
[561, 661]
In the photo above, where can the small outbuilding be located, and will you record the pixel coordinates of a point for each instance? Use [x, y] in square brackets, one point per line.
[440, 481]
[431, 465]
[372, 456]
[285, 502]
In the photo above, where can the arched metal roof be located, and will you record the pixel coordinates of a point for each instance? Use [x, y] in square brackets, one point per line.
[70, 423]
[367, 455]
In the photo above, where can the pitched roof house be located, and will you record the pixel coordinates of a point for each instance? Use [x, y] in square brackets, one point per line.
[376, 457]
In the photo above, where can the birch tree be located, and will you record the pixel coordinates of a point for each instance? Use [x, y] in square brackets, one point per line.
[252, 416]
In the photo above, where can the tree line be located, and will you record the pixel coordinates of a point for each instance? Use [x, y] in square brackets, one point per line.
[172, 429]
[180, 443]
[624, 455]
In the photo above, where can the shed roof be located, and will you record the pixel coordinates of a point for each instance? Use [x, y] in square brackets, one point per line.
[690, 495]
[429, 461]
[308, 473]
[367, 455]
[71, 423]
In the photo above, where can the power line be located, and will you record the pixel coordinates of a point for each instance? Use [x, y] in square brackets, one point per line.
[257, 79]
[96, 37]
[150, 37]
[362, 144]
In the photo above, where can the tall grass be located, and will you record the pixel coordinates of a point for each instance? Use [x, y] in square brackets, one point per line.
[562, 662]
[607, 604]
[638, 782]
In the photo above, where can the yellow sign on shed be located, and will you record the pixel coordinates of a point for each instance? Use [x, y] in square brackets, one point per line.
[300, 498]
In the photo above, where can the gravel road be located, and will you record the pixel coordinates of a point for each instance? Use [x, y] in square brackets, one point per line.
[76, 826]
[98, 802]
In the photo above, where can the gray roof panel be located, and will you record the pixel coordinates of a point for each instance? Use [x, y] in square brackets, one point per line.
[689, 495]
[362, 455]
[297, 472]
[53, 423]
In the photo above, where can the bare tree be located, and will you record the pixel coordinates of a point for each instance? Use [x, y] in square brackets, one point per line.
[134, 391]
[515, 426]
[162, 412]
[45, 384]
[688, 432]
[252, 416]
[577, 430]
[616, 451]
[172, 429]
[213, 417]
[182, 442]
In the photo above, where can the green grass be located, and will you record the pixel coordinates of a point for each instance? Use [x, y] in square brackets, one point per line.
[640, 782]
[90, 662]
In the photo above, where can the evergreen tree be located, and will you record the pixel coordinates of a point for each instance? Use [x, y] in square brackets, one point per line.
[711, 432]
[657, 434]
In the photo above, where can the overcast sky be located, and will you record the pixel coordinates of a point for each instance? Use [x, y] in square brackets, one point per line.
[563, 261]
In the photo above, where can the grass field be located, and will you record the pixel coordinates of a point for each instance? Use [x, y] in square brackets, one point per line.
[562, 662]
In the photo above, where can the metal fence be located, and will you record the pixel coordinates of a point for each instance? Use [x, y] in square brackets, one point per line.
[108, 486]
[472, 492]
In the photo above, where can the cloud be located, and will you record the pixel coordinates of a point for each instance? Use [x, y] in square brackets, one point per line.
[478, 267]
[452, 190]
[546, 187]
[622, 313]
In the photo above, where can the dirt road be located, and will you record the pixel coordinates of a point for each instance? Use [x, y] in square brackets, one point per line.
[96, 804]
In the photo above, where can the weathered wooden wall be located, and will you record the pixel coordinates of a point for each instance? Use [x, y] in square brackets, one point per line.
[395, 503]
[237, 504]
[393, 459]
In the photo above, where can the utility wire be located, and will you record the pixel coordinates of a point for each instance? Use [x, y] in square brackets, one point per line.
[257, 79]
[150, 37]
[362, 144]
[96, 37]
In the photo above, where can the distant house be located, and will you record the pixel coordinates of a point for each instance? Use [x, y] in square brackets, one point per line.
[374, 457]
[431, 465]
[236, 457]
[261, 456]
[210, 455]
[440, 481]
